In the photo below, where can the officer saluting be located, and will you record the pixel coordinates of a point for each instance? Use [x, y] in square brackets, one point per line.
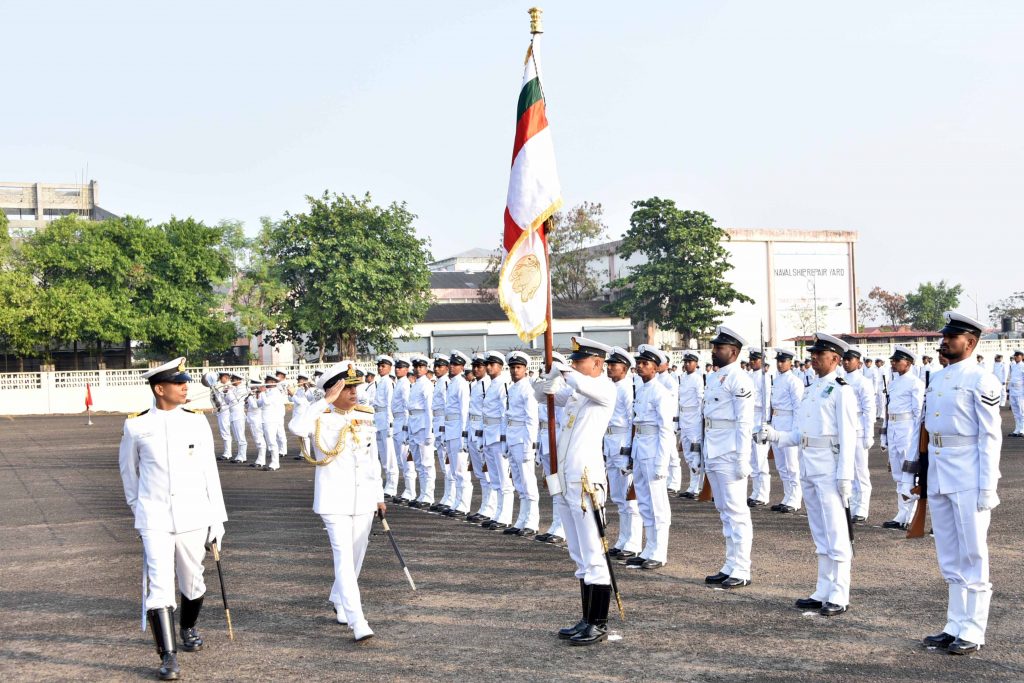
[963, 423]
[589, 399]
[826, 430]
[347, 489]
[169, 472]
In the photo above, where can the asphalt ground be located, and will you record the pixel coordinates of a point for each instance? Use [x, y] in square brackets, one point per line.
[487, 605]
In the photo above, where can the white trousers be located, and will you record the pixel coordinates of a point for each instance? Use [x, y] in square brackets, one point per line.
[581, 534]
[861, 502]
[961, 544]
[282, 435]
[481, 471]
[168, 553]
[224, 427]
[826, 517]
[652, 504]
[238, 432]
[787, 462]
[388, 461]
[1017, 406]
[675, 469]
[349, 536]
[458, 470]
[630, 526]
[760, 474]
[255, 422]
[404, 463]
[271, 429]
[448, 497]
[498, 469]
[423, 459]
[524, 479]
[737, 529]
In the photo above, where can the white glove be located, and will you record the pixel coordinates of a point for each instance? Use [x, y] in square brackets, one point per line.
[767, 434]
[845, 488]
[216, 533]
[987, 500]
[904, 489]
[557, 368]
[884, 442]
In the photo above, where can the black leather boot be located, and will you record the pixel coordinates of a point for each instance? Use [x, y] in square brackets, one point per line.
[570, 631]
[597, 617]
[191, 641]
[161, 622]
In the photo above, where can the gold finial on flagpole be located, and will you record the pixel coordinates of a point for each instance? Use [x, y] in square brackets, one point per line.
[535, 25]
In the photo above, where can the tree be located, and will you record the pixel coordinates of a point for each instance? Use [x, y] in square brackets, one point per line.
[805, 317]
[355, 273]
[867, 310]
[893, 307]
[258, 297]
[1011, 307]
[926, 305]
[572, 276]
[682, 285]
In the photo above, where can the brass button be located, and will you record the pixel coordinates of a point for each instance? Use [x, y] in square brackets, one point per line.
[936, 414]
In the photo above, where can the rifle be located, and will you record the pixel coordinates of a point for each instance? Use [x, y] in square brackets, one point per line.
[920, 468]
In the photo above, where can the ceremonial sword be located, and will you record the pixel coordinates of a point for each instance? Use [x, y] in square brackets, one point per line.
[592, 492]
[394, 546]
[223, 593]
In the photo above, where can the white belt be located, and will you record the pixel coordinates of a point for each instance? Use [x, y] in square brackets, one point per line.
[688, 409]
[710, 423]
[475, 419]
[900, 417]
[492, 420]
[951, 440]
[615, 430]
[647, 430]
[416, 411]
[439, 413]
[516, 423]
[818, 441]
[780, 411]
[453, 416]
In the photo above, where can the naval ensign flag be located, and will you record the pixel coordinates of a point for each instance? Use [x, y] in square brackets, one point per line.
[534, 194]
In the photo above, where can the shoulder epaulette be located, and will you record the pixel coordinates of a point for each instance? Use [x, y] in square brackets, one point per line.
[840, 381]
[363, 409]
[131, 415]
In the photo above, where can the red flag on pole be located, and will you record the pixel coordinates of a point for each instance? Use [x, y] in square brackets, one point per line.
[88, 397]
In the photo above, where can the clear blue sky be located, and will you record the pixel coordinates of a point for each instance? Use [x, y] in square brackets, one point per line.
[901, 120]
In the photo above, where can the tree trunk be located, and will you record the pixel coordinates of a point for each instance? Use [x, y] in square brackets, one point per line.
[74, 349]
[127, 352]
[346, 345]
[21, 364]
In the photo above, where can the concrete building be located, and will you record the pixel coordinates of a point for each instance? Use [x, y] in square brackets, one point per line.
[800, 281]
[469, 261]
[458, 287]
[30, 206]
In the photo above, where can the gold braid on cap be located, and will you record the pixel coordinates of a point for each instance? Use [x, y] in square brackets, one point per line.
[339, 446]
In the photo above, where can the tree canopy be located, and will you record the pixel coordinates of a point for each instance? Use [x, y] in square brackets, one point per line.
[926, 305]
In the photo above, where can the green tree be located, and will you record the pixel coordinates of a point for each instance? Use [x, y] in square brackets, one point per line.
[355, 273]
[1011, 307]
[258, 297]
[681, 286]
[926, 305]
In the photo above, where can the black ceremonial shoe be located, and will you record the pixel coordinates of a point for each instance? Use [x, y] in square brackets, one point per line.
[808, 603]
[526, 533]
[191, 641]
[597, 617]
[554, 540]
[475, 517]
[569, 631]
[891, 524]
[830, 609]
[161, 623]
[787, 509]
[776, 507]
[614, 552]
[482, 519]
[940, 640]
[635, 561]
[296, 457]
[499, 526]
[652, 564]
[735, 583]
[858, 519]
[626, 554]
[755, 503]
[720, 577]
[542, 537]
[963, 647]
[511, 530]
[688, 494]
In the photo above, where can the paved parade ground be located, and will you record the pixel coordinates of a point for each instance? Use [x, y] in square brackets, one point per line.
[488, 605]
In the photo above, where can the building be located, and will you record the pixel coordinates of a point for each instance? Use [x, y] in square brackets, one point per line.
[458, 287]
[30, 206]
[469, 261]
[801, 281]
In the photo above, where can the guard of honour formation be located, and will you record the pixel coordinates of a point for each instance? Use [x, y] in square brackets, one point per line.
[627, 429]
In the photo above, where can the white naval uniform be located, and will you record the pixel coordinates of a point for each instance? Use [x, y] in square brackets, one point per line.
[1015, 391]
[675, 468]
[864, 389]
[653, 439]
[403, 460]
[477, 393]
[728, 429]
[254, 418]
[384, 423]
[456, 433]
[421, 436]
[496, 448]
[617, 444]
[280, 410]
[220, 398]
[826, 431]
[760, 474]
[345, 493]
[236, 408]
[437, 405]
[903, 432]
[300, 398]
[171, 484]
[521, 435]
[271, 403]
[787, 392]
[691, 423]
[588, 403]
[964, 426]
[1002, 372]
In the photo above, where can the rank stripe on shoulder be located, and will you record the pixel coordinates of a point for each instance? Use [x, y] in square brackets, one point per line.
[363, 409]
[131, 415]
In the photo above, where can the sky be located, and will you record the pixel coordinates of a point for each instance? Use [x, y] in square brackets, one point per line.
[902, 121]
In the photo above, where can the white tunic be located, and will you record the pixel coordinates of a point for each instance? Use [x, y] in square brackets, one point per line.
[825, 428]
[589, 402]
